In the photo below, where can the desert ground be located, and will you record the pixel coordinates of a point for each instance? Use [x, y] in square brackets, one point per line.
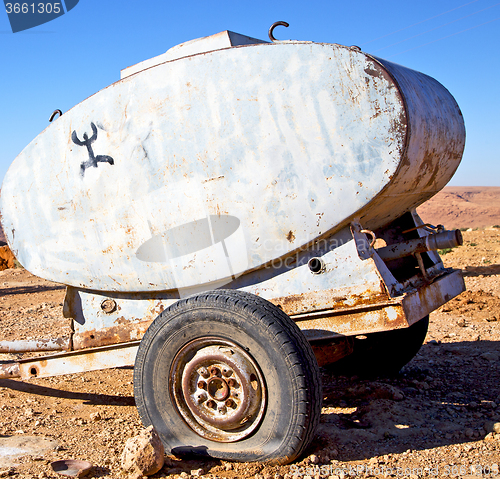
[439, 417]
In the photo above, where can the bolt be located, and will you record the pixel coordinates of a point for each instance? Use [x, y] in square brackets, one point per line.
[227, 372]
[230, 403]
[211, 404]
[214, 371]
[232, 383]
[202, 385]
[222, 409]
[204, 373]
[202, 398]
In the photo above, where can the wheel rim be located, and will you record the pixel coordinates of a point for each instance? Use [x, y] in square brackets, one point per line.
[218, 389]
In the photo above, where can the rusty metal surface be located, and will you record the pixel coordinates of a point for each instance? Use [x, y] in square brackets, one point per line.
[32, 345]
[123, 333]
[434, 145]
[79, 361]
[328, 352]
[398, 312]
[102, 319]
[218, 389]
[350, 296]
[264, 168]
[223, 162]
[317, 301]
[328, 324]
[431, 242]
[9, 370]
[422, 301]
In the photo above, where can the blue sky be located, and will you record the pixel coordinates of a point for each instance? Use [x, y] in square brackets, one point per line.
[60, 63]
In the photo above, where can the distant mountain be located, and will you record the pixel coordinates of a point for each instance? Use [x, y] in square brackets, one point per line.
[463, 207]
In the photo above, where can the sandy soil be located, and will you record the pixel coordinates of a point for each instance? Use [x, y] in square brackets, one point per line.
[434, 419]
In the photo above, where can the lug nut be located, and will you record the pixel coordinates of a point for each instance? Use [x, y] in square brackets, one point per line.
[204, 373]
[214, 371]
[232, 383]
[211, 404]
[227, 372]
[230, 403]
[202, 385]
[222, 409]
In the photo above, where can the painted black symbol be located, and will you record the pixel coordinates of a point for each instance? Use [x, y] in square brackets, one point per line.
[93, 160]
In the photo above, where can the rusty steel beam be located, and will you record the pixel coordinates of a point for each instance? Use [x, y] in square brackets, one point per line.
[9, 370]
[79, 361]
[35, 345]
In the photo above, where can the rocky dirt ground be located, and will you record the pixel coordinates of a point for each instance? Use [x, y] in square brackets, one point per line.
[437, 418]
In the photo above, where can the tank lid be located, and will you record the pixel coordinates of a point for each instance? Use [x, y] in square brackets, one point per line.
[218, 41]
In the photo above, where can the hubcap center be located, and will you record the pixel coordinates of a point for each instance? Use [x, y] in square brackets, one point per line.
[218, 389]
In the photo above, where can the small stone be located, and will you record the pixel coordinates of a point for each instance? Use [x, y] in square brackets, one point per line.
[228, 466]
[143, 454]
[493, 427]
[197, 472]
[314, 458]
[491, 356]
[489, 437]
[469, 432]
[95, 416]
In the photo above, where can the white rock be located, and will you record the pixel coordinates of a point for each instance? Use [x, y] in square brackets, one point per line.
[144, 454]
[95, 416]
[314, 458]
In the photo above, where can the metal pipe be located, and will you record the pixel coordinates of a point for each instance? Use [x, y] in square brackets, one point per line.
[35, 345]
[432, 242]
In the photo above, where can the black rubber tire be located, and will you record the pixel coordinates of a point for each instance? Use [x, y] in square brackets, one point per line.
[383, 354]
[289, 369]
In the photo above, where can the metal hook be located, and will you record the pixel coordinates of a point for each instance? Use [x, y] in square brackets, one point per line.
[54, 113]
[372, 234]
[273, 26]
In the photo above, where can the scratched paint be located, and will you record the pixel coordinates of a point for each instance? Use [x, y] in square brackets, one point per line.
[261, 168]
[292, 139]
